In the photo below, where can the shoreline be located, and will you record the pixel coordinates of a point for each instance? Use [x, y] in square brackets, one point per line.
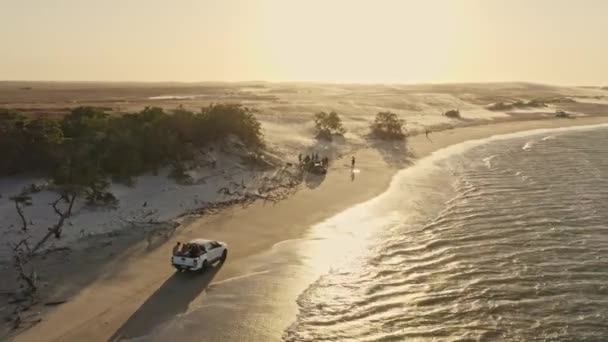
[103, 307]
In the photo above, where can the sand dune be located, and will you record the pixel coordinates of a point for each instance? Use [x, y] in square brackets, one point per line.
[111, 299]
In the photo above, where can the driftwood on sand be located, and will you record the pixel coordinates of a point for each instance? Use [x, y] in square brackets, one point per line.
[27, 277]
[272, 188]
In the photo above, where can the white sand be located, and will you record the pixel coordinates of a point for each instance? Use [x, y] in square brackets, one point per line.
[112, 303]
[288, 127]
[153, 199]
[101, 308]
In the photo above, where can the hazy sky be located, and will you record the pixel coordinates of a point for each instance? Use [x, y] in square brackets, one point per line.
[550, 41]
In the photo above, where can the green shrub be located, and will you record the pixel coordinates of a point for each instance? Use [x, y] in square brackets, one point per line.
[12, 142]
[328, 125]
[387, 125]
[221, 120]
[89, 145]
[453, 114]
[98, 195]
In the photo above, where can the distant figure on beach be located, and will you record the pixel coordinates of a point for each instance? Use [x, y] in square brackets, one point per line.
[300, 158]
[352, 163]
[176, 248]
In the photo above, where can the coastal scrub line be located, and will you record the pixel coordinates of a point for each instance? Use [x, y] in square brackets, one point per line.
[89, 144]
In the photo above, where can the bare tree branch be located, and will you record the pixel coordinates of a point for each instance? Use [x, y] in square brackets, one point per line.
[19, 200]
[31, 279]
[69, 212]
[54, 205]
[57, 228]
[23, 243]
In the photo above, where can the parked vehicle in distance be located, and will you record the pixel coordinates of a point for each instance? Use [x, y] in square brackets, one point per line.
[198, 254]
[317, 168]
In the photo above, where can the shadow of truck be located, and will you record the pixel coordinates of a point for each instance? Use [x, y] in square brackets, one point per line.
[171, 299]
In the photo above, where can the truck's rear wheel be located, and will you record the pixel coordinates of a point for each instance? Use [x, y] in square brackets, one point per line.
[224, 256]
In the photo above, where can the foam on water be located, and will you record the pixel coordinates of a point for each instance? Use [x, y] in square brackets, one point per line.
[453, 250]
[528, 145]
[488, 161]
[515, 252]
[429, 164]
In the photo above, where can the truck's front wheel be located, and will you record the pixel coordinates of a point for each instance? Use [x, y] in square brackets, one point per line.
[204, 266]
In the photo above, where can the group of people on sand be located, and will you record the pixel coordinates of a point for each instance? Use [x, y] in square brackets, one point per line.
[190, 250]
[312, 159]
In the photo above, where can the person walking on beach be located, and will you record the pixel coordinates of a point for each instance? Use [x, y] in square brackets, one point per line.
[427, 132]
[352, 163]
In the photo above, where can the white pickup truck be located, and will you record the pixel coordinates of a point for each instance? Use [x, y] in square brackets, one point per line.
[198, 254]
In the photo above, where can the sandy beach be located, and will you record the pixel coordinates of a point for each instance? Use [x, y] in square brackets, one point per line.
[311, 171]
[110, 307]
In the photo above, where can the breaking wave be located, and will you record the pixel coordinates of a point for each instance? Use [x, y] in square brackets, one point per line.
[481, 241]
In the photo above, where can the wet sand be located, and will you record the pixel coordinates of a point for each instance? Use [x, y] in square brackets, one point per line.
[141, 292]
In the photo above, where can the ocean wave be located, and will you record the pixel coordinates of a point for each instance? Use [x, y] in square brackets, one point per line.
[496, 259]
[488, 161]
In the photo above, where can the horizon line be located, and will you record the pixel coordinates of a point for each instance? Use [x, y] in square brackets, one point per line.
[301, 82]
